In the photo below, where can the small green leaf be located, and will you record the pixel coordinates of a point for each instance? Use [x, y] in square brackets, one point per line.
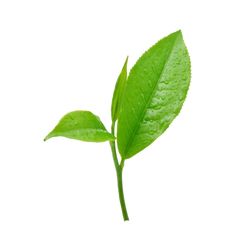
[155, 91]
[81, 125]
[118, 92]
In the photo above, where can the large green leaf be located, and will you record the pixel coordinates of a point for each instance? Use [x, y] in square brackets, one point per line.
[118, 92]
[81, 125]
[155, 91]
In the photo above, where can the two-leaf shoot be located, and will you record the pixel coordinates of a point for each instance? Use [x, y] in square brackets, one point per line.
[144, 104]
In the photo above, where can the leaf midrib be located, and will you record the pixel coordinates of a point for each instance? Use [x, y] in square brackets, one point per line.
[131, 139]
[86, 129]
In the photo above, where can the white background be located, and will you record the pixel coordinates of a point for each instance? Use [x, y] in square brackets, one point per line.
[60, 56]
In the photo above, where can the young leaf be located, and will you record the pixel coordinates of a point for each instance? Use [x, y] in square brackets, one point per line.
[81, 125]
[155, 91]
[118, 92]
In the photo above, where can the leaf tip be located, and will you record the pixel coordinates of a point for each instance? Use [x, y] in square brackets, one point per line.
[178, 32]
[47, 137]
[126, 60]
[126, 63]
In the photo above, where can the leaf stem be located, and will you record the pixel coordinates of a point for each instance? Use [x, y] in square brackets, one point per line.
[114, 155]
[119, 171]
[122, 163]
[121, 195]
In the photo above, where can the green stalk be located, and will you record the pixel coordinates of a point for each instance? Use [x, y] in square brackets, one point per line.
[119, 170]
[121, 195]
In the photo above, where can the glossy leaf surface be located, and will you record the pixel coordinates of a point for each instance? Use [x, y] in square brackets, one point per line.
[81, 125]
[118, 92]
[155, 91]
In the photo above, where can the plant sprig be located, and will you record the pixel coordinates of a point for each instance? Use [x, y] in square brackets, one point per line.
[144, 104]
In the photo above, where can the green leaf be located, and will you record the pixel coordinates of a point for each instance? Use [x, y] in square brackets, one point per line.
[118, 92]
[155, 91]
[81, 125]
